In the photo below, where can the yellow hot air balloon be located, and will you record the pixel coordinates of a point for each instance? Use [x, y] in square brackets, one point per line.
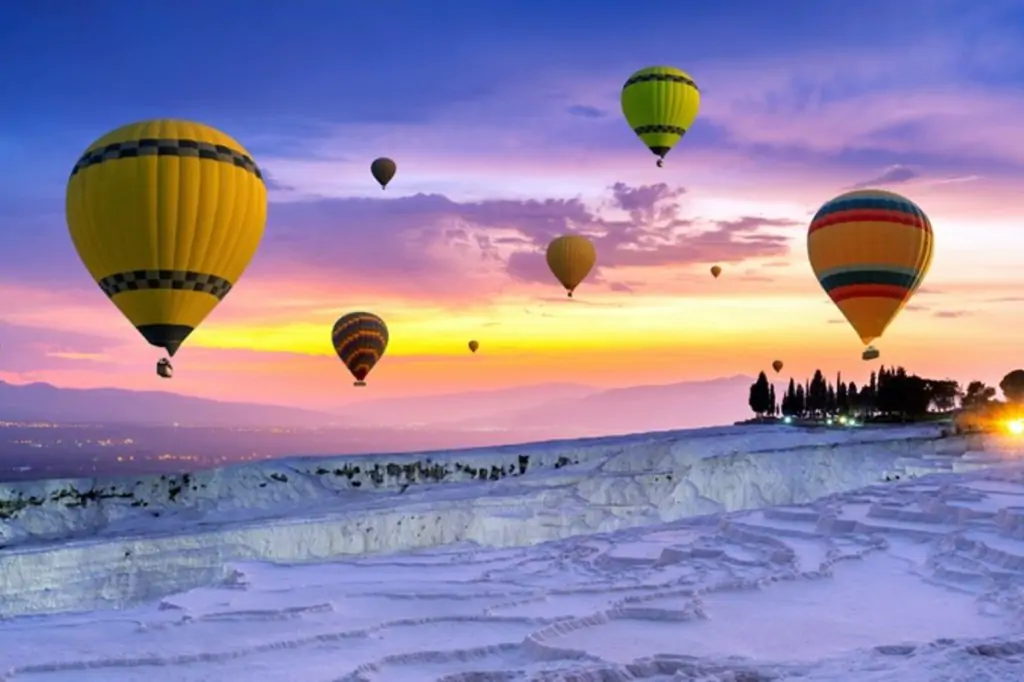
[870, 250]
[474, 346]
[166, 215]
[716, 270]
[571, 258]
[777, 366]
[660, 104]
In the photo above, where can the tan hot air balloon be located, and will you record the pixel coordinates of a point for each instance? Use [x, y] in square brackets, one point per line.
[383, 170]
[777, 366]
[716, 270]
[474, 346]
[571, 258]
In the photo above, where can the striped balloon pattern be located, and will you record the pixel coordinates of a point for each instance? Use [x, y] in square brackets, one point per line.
[870, 250]
[360, 340]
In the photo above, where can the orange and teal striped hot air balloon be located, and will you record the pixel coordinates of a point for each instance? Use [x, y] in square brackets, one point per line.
[870, 250]
[360, 340]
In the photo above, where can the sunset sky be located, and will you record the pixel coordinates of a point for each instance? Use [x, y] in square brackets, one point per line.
[504, 120]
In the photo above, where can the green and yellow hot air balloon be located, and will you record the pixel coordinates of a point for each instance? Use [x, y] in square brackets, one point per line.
[166, 215]
[571, 258]
[360, 340]
[660, 104]
[870, 250]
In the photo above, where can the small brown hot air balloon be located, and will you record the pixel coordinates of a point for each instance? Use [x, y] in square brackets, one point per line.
[777, 366]
[383, 170]
[360, 340]
[571, 258]
[716, 270]
[474, 346]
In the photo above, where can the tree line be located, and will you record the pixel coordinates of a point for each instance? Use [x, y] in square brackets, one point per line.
[891, 393]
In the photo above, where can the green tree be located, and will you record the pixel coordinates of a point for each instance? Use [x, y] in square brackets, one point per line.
[760, 395]
[1012, 386]
[977, 395]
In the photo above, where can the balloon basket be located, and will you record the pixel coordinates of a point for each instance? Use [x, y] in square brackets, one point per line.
[359, 383]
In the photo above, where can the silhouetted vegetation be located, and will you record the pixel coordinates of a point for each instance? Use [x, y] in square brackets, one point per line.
[890, 395]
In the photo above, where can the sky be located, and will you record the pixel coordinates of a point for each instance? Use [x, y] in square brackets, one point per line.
[504, 120]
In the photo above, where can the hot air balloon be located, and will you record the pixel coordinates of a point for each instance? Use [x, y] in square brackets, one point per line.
[383, 169]
[870, 353]
[777, 366]
[571, 258]
[660, 104]
[474, 346]
[166, 215]
[716, 270]
[360, 340]
[870, 250]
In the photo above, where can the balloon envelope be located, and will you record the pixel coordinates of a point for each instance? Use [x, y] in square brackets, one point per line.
[716, 270]
[660, 104]
[571, 258]
[360, 340]
[474, 346]
[166, 215]
[383, 170]
[777, 366]
[870, 250]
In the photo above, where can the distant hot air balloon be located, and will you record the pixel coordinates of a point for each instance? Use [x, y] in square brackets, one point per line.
[716, 270]
[383, 170]
[360, 340]
[571, 258]
[166, 215]
[474, 346]
[870, 250]
[777, 366]
[660, 104]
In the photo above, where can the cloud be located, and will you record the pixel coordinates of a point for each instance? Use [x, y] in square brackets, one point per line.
[620, 286]
[273, 184]
[418, 244]
[915, 307]
[27, 349]
[585, 111]
[833, 321]
[893, 175]
[952, 313]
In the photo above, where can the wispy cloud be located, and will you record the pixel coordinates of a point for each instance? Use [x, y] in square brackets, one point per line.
[585, 111]
[893, 175]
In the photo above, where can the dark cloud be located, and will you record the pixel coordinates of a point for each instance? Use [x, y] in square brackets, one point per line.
[620, 286]
[915, 307]
[893, 175]
[952, 313]
[586, 111]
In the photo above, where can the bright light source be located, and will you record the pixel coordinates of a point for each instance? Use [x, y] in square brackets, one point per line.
[1015, 426]
[788, 420]
[829, 422]
[842, 420]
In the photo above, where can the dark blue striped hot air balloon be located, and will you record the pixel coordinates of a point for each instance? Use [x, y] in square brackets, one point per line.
[870, 250]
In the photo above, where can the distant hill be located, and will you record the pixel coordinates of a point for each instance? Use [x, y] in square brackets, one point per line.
[43, 402]
[452, 408]
[689, 404]
[524, 413]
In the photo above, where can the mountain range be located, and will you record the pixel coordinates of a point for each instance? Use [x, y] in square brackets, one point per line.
[535, 412]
